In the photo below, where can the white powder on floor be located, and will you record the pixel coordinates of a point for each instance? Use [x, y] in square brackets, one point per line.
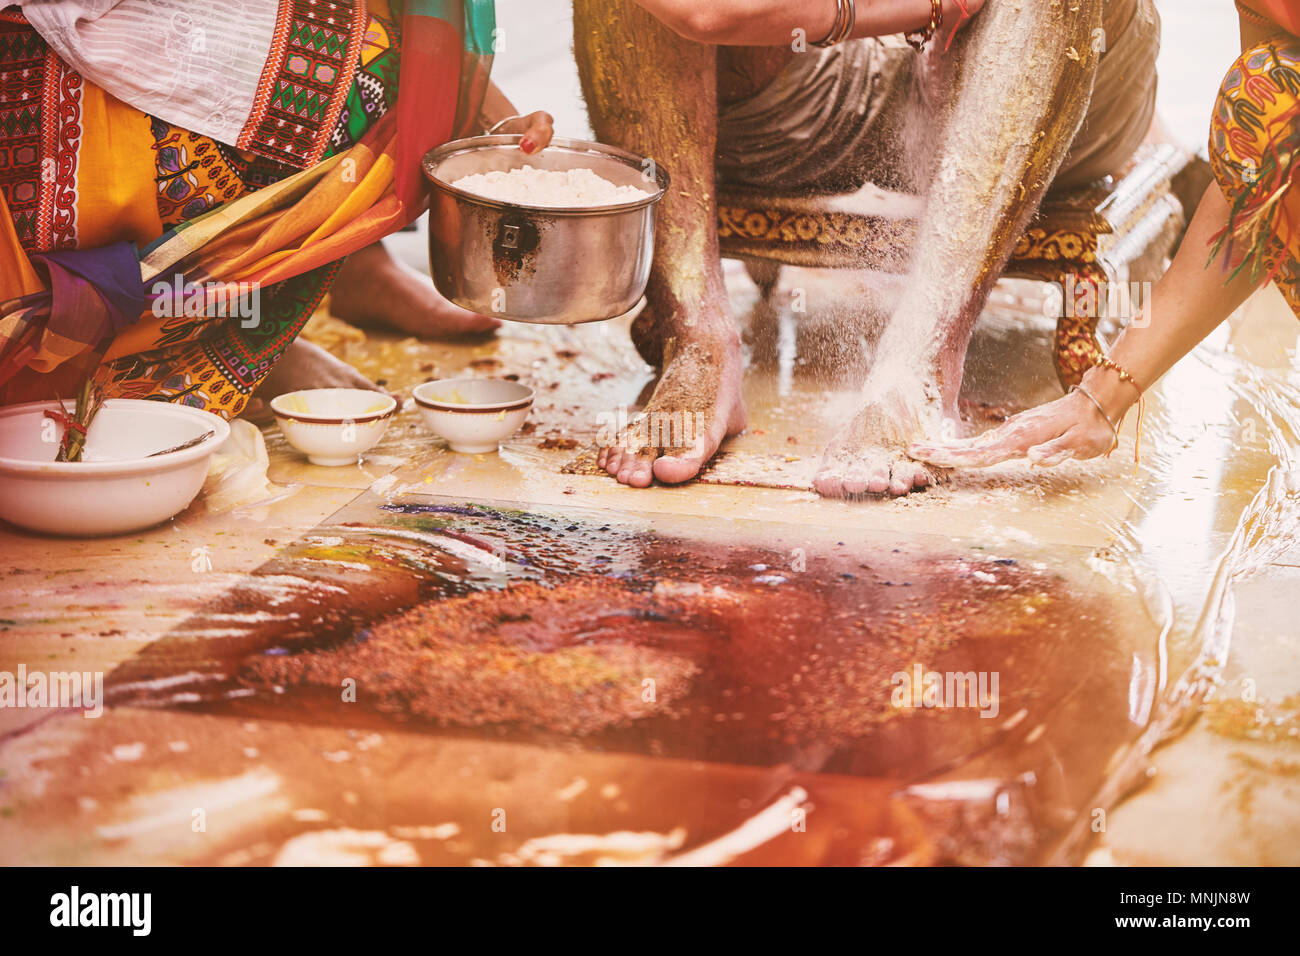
[530, 186]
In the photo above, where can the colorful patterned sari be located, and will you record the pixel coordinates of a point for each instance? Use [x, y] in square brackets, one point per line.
[1255, 151]
[126, 241]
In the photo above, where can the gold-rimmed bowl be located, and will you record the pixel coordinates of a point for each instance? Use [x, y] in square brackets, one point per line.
[474, 415]
[333, 426]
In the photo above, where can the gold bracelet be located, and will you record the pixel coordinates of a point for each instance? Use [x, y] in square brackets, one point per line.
[917, 39]
[846, 16]
[1114, 429]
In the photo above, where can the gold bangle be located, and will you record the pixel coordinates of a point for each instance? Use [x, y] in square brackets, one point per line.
[917, 39]
[846, 16]
[1114, 429]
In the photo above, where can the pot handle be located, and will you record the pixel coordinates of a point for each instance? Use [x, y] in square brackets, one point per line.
[516, 235]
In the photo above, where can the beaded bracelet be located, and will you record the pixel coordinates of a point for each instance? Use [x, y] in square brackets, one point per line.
[917, 39]
[1103, 361]
[1121, 371]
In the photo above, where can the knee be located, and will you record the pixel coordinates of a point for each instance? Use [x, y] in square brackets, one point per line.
[711, 23]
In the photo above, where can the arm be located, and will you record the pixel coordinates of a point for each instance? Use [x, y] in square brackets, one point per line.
[537, 128]
[1187, 304]
[773, 22]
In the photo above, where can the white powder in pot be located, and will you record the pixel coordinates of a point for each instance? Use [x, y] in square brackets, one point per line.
[530, 186]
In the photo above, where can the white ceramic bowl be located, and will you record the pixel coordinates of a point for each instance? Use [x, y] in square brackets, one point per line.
[333, 426]
[474, 414]
[115, 488]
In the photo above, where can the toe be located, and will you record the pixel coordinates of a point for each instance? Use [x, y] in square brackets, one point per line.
[673, 470]
[636, 471]
[613, 460]
[903, 477]
[921, 478]
[855, 478]
[828, 483]
[850, 487]
[907, 476]
[840, 475]
[877, 474]
[836, 479]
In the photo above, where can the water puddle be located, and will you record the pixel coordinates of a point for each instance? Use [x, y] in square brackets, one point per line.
[951, 681]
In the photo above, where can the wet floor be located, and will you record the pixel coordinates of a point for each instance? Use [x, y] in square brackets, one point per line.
[431, 657]
[943, 680]
[499, 619]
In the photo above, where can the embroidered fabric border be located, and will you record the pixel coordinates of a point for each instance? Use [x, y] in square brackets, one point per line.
[308, 76]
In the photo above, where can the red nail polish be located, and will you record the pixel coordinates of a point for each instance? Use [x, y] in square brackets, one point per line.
[526, 144]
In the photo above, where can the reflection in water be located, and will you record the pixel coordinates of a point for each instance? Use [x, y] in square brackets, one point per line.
[668, 689]
[949, 684]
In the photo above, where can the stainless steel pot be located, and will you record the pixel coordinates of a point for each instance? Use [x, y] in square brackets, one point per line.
[538, 263]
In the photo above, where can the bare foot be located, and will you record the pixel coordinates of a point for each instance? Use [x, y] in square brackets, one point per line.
[374, 289]
[648, 336]
[868, 457]
[697, 403]
[303, 365]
